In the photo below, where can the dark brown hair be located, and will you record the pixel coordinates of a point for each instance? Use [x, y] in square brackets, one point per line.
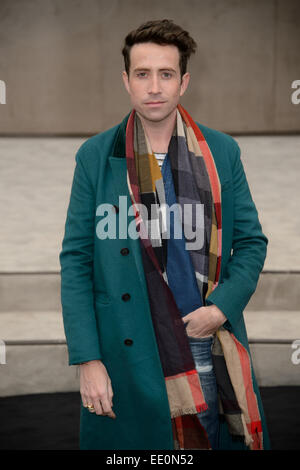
[161, 32]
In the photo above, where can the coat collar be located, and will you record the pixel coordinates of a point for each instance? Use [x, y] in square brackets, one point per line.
[119, 149]
[117, 160]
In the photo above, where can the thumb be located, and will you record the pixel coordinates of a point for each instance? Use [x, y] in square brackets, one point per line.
[186, 318]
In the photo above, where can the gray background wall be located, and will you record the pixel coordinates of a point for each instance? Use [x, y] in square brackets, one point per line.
[61, 62]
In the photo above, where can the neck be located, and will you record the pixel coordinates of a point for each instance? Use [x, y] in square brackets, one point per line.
[159, 132]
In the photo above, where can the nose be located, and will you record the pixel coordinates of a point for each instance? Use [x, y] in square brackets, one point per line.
[154, 85]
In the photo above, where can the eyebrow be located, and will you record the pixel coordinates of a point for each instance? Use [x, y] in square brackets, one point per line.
[148, 70]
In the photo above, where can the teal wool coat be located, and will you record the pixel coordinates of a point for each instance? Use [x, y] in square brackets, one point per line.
[101, 323]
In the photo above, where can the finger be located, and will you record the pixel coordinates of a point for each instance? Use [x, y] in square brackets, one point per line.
[111, 414]
[98, 406]
[110, 401]
[88, 402]
[110, 393]
[107, 407]
[85, 400]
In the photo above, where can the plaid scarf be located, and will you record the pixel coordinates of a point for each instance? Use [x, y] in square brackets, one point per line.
[195, 179]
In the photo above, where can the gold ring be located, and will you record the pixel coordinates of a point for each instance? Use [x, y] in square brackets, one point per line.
[90, 406]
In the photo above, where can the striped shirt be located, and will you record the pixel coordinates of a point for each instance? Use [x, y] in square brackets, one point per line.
[160, 158]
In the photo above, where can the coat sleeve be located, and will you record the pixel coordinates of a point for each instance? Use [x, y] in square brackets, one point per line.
[249, 248]
[76, 260]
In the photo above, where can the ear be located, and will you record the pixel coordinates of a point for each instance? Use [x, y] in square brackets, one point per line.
[126, 81]
[184, 83]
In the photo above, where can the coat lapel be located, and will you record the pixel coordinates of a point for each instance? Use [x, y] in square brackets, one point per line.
[118, 166]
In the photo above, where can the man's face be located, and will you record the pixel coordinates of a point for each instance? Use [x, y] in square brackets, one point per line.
[154, 81]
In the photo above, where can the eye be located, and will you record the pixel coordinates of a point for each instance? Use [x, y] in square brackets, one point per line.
[141, 74]
[167, 75]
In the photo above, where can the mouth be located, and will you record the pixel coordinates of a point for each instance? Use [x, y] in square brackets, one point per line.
[155, 104]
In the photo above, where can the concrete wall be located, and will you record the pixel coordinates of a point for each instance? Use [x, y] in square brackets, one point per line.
[61, 63]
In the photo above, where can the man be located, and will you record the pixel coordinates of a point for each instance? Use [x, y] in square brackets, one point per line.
[156, 323]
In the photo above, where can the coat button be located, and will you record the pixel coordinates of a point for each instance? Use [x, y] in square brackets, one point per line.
[125, 297]
[128, 342]
[124, 251]
[116, 208]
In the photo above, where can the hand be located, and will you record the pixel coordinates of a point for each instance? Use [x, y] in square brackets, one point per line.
[204, 321]
[95, 388]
